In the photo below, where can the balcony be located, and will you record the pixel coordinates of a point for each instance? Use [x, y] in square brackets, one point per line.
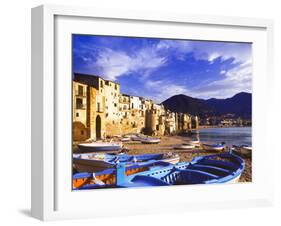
[80, 94]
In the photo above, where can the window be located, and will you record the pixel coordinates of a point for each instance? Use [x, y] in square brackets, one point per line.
[77, 114]
[115, 105]
[101, 84]
[80, 90]
[98, 107]
[115, 87]
[82, 132]
[79, 103]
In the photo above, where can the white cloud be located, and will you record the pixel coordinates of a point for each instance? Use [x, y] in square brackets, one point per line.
[213, 56]
[235, 80]
[180, 45]
[210, 51]
[113, 64]
[164, 89]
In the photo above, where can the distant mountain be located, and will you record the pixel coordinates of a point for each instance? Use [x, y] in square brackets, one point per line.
[240, 105]
[185, 104]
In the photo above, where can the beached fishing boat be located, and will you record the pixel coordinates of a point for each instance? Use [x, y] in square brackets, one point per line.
[109, 177]
[135, 136]
[242, 150]
[150, 140]
[185, 146]
[125, 139]
[212, 169]
[214, 147]
[195, 142]
[90, 162]
[100, 147]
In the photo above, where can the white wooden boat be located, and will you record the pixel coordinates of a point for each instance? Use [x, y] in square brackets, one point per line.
[242, 150]
[186, 146]
[100, 147]
[214, 147]
[136, 137]
[125, 139]
[195, 142]
[150, 140]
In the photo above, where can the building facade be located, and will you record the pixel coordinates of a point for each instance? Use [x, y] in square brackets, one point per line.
[100, 111]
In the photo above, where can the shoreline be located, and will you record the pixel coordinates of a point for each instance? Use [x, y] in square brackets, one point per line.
[222, 127]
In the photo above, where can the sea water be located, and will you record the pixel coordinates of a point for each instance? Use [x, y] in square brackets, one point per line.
[231, 135]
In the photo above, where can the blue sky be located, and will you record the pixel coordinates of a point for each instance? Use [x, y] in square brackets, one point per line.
[160, 68]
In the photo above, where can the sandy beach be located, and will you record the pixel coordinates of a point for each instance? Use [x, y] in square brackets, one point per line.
[167, 145]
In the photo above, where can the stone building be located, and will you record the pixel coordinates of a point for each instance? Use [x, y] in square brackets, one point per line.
[79, 114]
[100, 111]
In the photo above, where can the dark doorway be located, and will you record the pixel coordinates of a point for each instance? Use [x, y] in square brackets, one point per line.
[98, 127]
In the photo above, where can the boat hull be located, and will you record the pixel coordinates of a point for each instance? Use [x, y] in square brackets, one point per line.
[185, 147]
[245, 152]
[150, 141]
[94, 165]
[88, 165]
[173, 160]
[202, 170]
[212, 148]
[105, 149]
[234, 180]
[108, 176]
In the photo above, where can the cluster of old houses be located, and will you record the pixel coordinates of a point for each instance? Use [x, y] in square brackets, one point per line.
[100, 111]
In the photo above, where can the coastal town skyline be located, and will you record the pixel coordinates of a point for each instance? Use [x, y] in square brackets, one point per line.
[160, 68]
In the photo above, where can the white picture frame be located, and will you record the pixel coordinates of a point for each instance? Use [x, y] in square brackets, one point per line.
[51, 194]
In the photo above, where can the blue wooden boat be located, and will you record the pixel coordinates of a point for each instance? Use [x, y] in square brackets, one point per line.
[90, 162]
[211, 169]
[112, 176]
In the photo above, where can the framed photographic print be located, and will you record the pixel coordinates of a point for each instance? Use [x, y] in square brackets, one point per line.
[140, 112]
